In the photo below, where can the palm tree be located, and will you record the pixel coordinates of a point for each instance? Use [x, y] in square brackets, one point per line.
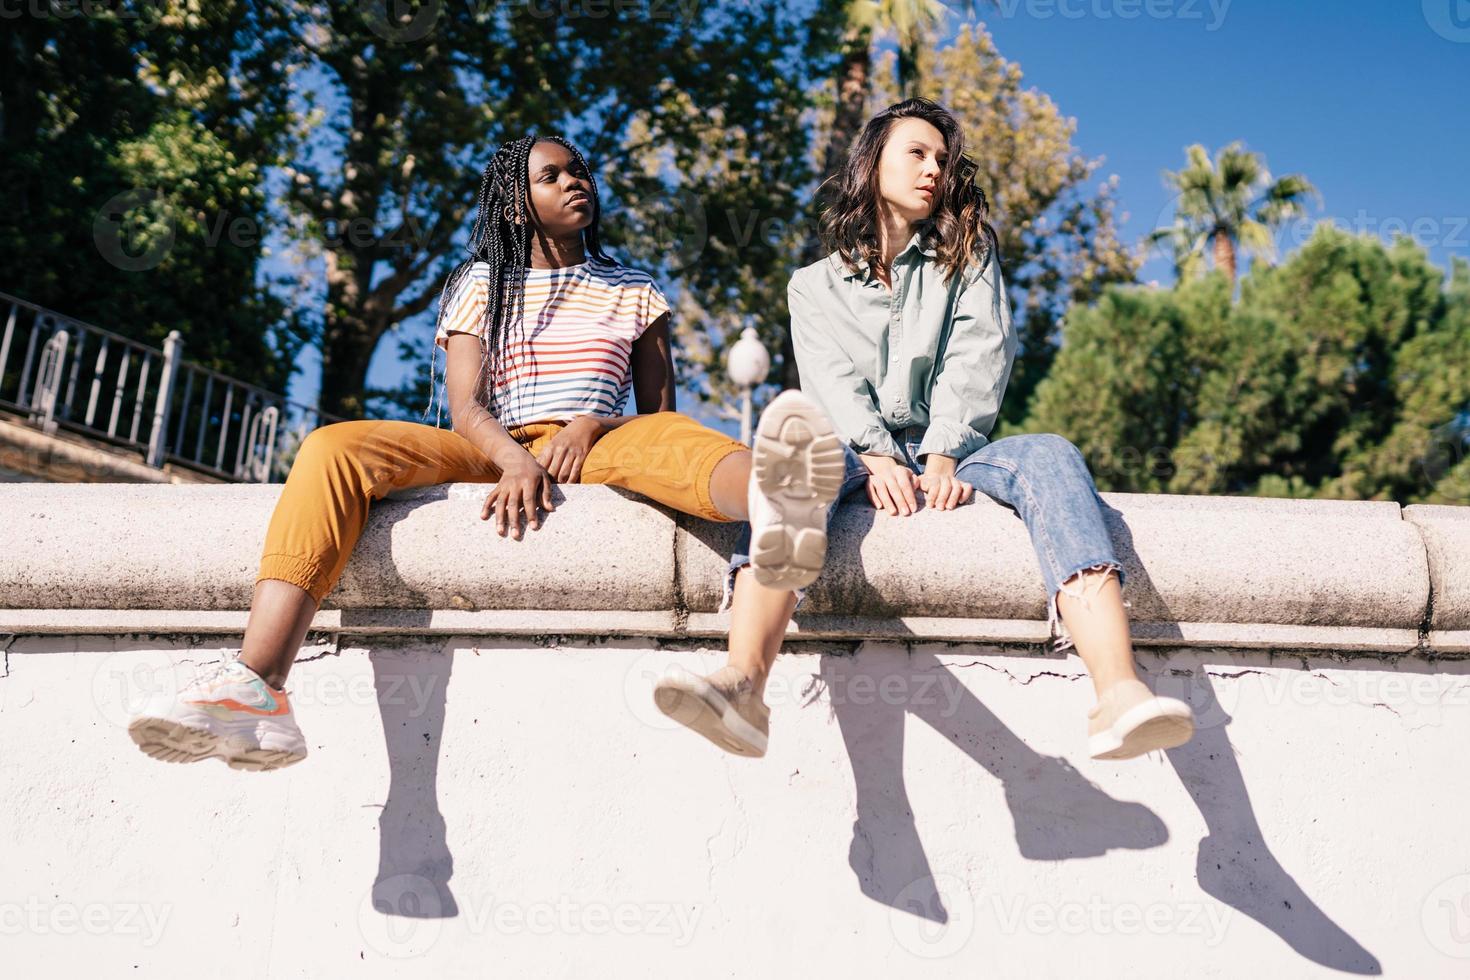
[1230, 204]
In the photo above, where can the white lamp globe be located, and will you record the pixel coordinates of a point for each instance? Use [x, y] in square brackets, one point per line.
[747, 362]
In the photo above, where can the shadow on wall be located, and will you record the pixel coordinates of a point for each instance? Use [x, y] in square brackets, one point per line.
[414, 863]
[1058, 813]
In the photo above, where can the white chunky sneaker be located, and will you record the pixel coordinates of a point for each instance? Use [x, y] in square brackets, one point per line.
[795, 475]
[229, 714]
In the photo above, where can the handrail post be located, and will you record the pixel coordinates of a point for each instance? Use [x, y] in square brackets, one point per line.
[173, 346]
[49, 373]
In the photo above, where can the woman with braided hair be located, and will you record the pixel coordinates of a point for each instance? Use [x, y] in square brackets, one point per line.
[545, 336]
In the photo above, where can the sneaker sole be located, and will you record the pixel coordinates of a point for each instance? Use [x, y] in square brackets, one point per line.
[799, 467]
[693, 702]
[171, 741]
[1159, 723]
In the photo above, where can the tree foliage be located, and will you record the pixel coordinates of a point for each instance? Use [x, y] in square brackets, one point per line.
[134, 142]
[1343, 372]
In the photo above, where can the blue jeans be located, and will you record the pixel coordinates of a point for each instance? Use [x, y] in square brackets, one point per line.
[1043, 479]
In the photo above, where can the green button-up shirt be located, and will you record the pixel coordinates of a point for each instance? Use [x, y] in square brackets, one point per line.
[926, 354]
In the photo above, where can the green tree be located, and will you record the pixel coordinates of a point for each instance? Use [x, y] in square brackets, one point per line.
[1343, 372]
[428, 93]
[132, 192]
[1230, 204]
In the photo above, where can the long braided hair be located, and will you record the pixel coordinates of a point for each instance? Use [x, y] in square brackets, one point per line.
[501, 238]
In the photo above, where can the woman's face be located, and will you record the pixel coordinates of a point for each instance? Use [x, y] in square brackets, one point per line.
[909, 168]
[561, 193]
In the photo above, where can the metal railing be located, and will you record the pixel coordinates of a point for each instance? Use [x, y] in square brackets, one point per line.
[195, 417]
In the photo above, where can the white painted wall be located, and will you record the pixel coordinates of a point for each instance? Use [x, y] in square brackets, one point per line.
[544, 821]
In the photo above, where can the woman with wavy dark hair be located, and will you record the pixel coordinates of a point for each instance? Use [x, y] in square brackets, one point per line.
[545, 337]
[903, 337]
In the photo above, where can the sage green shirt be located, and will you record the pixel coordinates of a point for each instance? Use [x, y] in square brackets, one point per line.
[928, 353]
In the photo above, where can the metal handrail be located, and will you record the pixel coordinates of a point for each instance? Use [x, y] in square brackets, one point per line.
[246, 439]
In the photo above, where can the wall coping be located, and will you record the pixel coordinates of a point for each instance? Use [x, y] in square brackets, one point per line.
[1353, 577]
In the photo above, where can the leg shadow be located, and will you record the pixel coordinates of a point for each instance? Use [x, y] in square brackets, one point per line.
[1057, 813]
[414, 863]
[1236, 866]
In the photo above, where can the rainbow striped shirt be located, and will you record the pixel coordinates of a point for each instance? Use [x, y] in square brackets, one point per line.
[575, 357]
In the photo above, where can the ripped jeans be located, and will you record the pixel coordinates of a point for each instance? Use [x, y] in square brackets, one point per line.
[1044, 479]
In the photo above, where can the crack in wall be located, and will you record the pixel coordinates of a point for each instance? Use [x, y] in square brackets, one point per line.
[1022, 682]
[680, 607]
[1426, 623]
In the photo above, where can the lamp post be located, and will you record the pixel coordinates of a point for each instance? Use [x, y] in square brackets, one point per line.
[747, 364]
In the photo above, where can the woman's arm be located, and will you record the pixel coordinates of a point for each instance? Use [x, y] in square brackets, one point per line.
[832, 380]
[964, 400]
[653, 369]
[466, 413]
[524, 484]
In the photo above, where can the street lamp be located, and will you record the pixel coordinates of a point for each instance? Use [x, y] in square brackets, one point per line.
[747, 364]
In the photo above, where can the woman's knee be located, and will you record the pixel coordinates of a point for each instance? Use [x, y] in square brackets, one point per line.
[334, 439]
[1050, 449]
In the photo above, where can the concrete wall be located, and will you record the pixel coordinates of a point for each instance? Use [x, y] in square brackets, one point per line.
[491, 791]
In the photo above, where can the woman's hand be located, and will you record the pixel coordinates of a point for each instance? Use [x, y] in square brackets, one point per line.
[523, 484]
[564, 454]
[942, 489]
[890, 484]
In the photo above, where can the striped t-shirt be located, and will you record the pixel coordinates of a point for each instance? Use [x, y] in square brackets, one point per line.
[574, 355]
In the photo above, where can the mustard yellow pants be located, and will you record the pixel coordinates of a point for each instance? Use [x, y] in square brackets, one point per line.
[340, 469]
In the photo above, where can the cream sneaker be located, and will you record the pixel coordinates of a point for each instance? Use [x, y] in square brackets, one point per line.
[722, 707]
[1129, 720]
[796, 472]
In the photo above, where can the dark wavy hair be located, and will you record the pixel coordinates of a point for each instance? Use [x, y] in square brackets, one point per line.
[504, 243]
[958, 227]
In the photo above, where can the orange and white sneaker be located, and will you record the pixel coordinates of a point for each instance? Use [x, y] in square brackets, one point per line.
[229, 714]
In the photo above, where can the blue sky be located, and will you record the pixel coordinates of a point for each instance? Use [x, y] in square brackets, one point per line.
[1362, 96]
[1367, 98]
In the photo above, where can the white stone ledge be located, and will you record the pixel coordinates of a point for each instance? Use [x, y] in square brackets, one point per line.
[1201, 571]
